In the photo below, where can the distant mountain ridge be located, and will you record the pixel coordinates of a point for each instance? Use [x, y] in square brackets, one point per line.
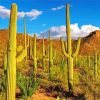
[91, 43]
[88, 44]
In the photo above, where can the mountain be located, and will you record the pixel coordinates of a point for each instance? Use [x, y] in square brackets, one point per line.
[88, 44]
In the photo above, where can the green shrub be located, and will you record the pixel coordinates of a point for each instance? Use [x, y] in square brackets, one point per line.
[27, 84]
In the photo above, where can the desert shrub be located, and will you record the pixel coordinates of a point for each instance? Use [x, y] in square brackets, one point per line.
[27, 84]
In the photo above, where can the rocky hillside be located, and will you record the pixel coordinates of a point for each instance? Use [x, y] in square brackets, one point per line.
[91, 43]
[88, 44]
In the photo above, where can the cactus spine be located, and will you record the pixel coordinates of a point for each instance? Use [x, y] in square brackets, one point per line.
[43, 53]
[11, 61]
[34, 56]
[69, 53]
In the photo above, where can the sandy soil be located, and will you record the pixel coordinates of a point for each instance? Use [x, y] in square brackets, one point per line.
[41, 96]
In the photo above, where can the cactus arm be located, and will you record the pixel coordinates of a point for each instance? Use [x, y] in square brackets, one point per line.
[22, 55]
[77, 48]
[11, 54]
[63, 48]
[19, 48]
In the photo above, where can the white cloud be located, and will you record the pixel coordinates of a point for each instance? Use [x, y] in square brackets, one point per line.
[76, 31]
[58, 8]
[33, 14]
[21, 14]
[4, 12]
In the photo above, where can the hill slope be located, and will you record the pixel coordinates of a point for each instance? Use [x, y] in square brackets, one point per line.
[88, 44]
[91, 43]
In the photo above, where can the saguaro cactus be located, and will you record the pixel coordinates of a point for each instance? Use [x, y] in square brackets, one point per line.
[11, 68]
[69, 53]
[52, 54]
[95, 64]
[30, 47]
[43, 53]
[25, 44]
[34, 56]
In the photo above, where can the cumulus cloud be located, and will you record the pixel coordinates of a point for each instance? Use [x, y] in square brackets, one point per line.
[76, 31]
[4, 12]
[58, 8]
[33, 14]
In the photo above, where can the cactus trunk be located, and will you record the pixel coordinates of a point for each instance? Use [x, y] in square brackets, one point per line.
[43, 54]
[69, 49]
[30, 48]
[34, 56]
[52, 55]
[25, 36]
[69, 55]
[70, 76]
[11, 61]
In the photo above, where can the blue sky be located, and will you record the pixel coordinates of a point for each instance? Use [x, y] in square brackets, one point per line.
[51, 14]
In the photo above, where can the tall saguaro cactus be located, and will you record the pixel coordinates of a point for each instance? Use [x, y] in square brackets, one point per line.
[30, 47]
[68, 53]
[25, 44]
[11, 68]
[43, 53]
[34, 56]
[52, 54]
